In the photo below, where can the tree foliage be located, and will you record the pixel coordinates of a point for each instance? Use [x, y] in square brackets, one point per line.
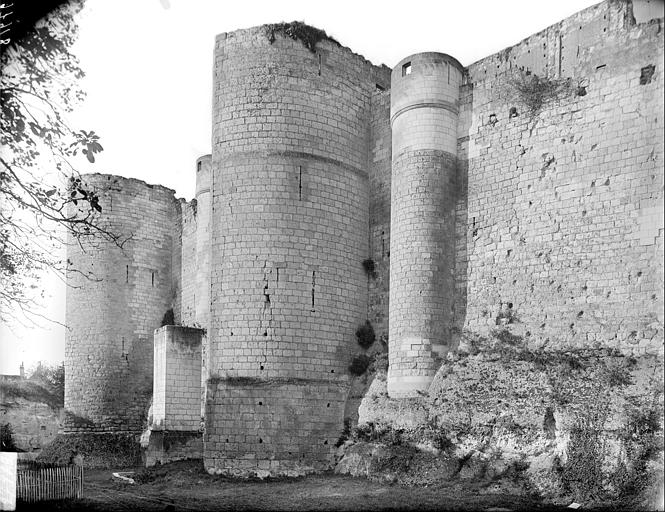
[53, 377]
[43, 200]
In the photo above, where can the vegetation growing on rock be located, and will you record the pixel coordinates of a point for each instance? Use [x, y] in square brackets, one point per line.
[581, 425]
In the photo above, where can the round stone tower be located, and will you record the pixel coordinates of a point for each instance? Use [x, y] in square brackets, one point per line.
[423, 115]
[289, 234]
[111, 315]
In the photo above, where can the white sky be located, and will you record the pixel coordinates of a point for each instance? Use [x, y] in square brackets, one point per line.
[148, 67]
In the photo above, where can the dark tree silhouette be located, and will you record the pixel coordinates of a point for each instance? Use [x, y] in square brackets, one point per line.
[43, 201]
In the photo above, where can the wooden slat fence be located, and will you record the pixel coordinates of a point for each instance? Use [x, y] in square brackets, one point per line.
[55, 483]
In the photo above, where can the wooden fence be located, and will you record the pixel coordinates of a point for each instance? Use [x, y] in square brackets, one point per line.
[42, 484]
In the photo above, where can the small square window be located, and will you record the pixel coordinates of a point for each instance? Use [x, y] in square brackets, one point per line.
[406, 69]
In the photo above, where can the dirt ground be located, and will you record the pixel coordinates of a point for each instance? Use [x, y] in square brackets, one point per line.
[185, 486]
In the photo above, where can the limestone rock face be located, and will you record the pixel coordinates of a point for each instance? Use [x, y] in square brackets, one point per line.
[577, 425]
[34, 424]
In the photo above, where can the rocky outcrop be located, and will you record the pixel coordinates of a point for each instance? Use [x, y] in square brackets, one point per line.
[583, 425]
[34, 424]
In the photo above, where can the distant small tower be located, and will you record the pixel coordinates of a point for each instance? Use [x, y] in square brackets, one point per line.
[21, 370]
[423, 115]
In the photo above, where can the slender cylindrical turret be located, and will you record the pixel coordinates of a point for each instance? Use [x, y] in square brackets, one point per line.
[424, 111]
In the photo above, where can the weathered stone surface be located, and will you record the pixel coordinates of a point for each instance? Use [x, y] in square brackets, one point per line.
[543, 417]
[34, 424]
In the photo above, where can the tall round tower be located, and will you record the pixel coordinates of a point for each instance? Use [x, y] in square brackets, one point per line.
[423, 115]
[289, 233]
[111, 315]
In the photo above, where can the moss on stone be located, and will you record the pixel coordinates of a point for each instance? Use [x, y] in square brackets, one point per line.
[299, 31]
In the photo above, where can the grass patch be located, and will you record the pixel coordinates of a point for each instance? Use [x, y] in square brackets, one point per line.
[104, 450]
[536, 93]
[299, 31]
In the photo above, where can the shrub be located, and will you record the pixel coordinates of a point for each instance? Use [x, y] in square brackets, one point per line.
[381, 361]
[168, 318]
[53, 376]
[641, 443]
[298, 31]
[7, 443]
[107, 450]
[581, 474]
[346, 433]
[359, 365]
[536, 92]
[365, 334]
[370, 267]
[508, 338]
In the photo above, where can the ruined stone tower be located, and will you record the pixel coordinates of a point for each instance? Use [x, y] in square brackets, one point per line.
[115, 300]
[423, 114]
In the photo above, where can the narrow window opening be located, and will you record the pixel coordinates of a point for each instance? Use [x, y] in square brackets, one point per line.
[313, 287]
[383, 244]
[152, 278]
[601, 66]
[300, 182]
[277, 275]
[406, 69]
[319, 64]
[646, 74]
[198, 166]
[126, 273]
[448, 66]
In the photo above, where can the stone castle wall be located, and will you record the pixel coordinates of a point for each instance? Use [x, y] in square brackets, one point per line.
[112, 314]
[560, 225]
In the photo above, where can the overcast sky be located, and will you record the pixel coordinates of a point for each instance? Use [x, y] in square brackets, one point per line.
[148, 66]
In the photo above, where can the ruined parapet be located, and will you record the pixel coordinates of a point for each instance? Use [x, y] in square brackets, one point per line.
[115, 299]
[424, 111]
[290, 233]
